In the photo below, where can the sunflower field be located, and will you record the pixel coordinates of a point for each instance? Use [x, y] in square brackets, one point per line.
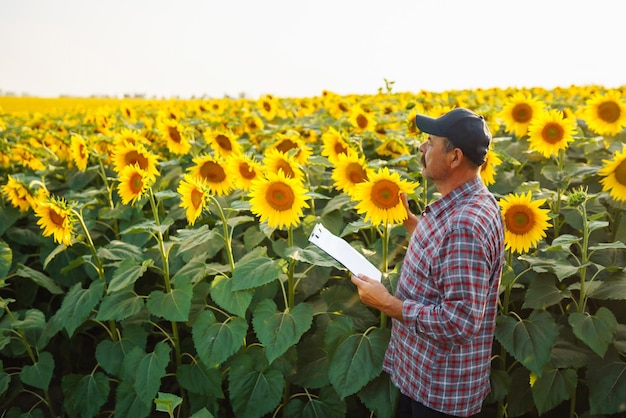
[154, 253]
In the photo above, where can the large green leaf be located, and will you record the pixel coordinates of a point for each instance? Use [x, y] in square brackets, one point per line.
[32, 323]
[613, 287]
[119, 305]
[197, 378]
[85, 395]
[111, 354]
[543, 293]
[562, 268]
[119, 250]
[40, 373]
[327, 405]
[254, 388]
[191, 238]
[345, 301]
[234, 301]
[380, 396]
[78, 304]
[358, 360]
[129, 404]
[39, 278]
[173, 305]
[594, 330]
[520, 399]
[528, 340]
[553, 387]
[127, 273]
[278, 331]
[256, 272]
[312, 370]
[192, 272]
[216, 341]
[6, 259]
[150, 370]
[606, 380]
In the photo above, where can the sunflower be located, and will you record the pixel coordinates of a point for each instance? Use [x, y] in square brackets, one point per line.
[488, 169]
[614, 175]
[176, 136]
[55, 218]
[379, 197]
[550, 132]
[213, 173]
[525, 223]
[350, 170]
[243, 170]
[127, 154]
[334, 144]
[18, 194]
[278, 200]
[605, 114]
[393, 148]
[518, 112]
[291, 144]
[133, 184]
[130, 136]
[268, 106]
[361, 120]
[194, 197]
[275, 161]
[79, 151]
[223, 143]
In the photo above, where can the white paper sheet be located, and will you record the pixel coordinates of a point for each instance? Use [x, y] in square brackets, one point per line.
[343, 252]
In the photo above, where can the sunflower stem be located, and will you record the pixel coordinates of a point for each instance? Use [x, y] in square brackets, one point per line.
[385, 261]
[291, 289]
[227, 235]
[584, 258]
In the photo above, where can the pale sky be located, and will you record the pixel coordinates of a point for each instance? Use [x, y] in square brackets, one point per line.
[292, 48]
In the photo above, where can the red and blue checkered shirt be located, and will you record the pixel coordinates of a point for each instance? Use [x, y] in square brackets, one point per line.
[440, 354]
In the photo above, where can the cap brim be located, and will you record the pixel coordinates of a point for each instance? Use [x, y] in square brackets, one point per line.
[428, 125]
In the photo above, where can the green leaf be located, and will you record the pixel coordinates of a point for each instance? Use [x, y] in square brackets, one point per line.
[127, 273]
[606, 380]
[594, 330]
[119, 250]
[6, 259]
[216, 341]
[173, 305]
[191, 238]
[528, 340]
[617, 245]
[312, 370]
[235, 302]
[278, 331]
[254, 388]
[129, 404]
[111, 354]
[553, 387]
[327, 405]
[202, 413]
[256, 272]
[358, 360]
[40, 373]
[39, 278]
[520, 399]
[33, 323]
[500, 382]
[149, 226]
[380, 396]
[5, 379]
[150, 370]
[167, 402]
[543, 293]
[78, 304]
[85, 395]
[313, 255]
[613, 287]
[192, 272]
[119, 305]
[197, 378]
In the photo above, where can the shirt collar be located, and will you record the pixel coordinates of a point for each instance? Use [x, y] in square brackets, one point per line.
[442, 204]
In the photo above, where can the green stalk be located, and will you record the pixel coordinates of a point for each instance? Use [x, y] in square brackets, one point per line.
[385, 266]
[291, 288]
[228, 239]
[584, 258]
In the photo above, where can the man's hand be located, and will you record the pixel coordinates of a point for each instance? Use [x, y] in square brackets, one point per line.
[411, 221]
[374, 294]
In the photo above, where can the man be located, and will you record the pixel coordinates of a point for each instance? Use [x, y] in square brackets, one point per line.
[445, 305]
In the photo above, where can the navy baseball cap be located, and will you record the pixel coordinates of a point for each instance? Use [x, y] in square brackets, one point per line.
[464, 128]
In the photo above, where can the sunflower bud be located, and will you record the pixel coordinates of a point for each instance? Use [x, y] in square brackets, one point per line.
[577, 197]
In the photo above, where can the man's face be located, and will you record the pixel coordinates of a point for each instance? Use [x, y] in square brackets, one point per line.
[436, 158]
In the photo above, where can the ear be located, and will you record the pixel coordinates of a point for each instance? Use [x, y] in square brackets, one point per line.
[457, 157]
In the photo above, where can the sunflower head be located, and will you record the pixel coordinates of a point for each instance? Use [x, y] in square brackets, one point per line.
[334, 144]
[194, 197]
[278, 200]
[18, 194]
[525, 223]
[243, 170]
[518, 112]
[379, 197]
[79, 151]
[605, 114]
[613, 174]
[126, 153]
[350, 169]
[133, 184]
[55, 218]
[212, 171]
[550, 132]
[275, 161]
[223, 143]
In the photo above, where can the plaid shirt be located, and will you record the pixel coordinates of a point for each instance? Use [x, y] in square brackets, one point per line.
[440, 354]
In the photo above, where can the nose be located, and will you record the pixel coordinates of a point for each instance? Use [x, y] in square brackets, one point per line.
[422, 147]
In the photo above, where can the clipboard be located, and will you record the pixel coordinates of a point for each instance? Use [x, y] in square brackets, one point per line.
[343, 252]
